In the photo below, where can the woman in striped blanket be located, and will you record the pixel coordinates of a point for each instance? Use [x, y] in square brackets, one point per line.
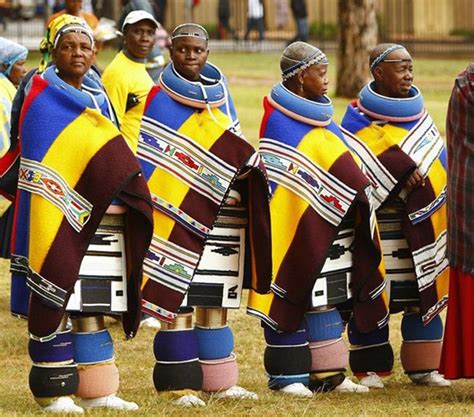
[210, 200]
[80, 189]
[405, 159]
[325, 247]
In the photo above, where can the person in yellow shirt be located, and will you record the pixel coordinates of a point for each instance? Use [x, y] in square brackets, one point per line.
[125, 79]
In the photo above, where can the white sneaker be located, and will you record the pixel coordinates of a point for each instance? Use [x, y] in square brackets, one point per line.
[237, 393]
[349, 386]
[151, 322]
[372, 380]
[110, 401]
[189, 400]
[63, 405]
[297, 389]
[431, 379]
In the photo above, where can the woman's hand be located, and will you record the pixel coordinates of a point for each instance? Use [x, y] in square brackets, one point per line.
[233, 198]
[116, 209]
[231, 201]
[414, 181]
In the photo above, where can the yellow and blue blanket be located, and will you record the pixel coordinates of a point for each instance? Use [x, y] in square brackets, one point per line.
[73, 164]
[190, 160]
[391, 151]
[315, 181]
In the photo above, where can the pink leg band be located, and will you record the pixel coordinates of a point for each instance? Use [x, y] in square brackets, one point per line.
[420, 356]
[328, 355]
[219, 374]
[98, 380]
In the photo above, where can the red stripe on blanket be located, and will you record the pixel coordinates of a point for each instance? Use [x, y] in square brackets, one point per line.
[151, 95]
[38, 86]
[268, 110]
[8, 160]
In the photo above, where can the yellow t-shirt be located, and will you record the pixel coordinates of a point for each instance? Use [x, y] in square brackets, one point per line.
[122, 77]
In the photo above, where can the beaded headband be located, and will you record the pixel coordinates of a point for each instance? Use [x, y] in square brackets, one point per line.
[385, 53]
[319, 57]
[74, 29]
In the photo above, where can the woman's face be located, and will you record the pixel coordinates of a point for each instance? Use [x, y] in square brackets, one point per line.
[189, 55]
[17, 73]
[394, 75]
[73, 56]
[314, 81]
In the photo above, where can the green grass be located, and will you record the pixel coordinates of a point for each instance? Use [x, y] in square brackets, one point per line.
[251, 77]
[135, 361]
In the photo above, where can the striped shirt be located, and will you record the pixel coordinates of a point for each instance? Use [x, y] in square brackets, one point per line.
[460, 139]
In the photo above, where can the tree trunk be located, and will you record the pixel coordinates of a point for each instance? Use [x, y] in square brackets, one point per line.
[357, 37]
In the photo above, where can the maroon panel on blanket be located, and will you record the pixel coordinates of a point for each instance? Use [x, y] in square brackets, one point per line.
[111, 172]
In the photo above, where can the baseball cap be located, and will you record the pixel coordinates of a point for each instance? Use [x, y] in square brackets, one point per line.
[137, 16]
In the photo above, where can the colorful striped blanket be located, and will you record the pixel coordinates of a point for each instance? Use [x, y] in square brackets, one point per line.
[73, 164]
[191, 160]
[315, 181]
[391, 151]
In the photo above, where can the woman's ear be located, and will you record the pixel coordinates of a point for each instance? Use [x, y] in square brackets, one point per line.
[301, 76]
[377, 73]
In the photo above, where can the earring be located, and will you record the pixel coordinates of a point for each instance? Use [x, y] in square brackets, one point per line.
[301, 87]
[56, 70]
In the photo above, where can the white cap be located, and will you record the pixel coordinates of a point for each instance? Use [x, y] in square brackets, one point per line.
[138, 16]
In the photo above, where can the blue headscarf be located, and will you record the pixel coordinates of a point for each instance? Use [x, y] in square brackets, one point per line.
[10, 53]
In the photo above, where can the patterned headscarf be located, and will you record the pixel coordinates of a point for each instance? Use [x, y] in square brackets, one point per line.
[58, 27]
[10, 53]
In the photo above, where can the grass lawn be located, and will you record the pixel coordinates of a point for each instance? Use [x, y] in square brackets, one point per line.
[135, 361]
[250, 77]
